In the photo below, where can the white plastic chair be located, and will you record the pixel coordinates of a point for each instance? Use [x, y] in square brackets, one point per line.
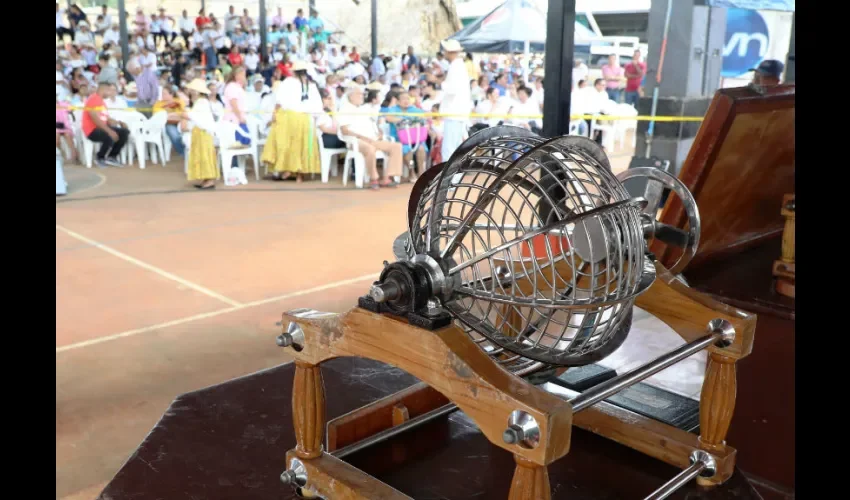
[353, 156]
[146, 132]
[326, 156]
[226, 135]
[608, 129]
[256, 128]
[84, 145]
[130, 117]
[625, 125]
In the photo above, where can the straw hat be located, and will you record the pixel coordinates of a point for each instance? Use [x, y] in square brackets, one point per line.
[198, 86]
[374, 86]
[300, 65]
[451, 46]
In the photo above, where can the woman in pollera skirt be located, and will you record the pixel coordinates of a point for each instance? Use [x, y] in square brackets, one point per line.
[292, 147]
[203, 162]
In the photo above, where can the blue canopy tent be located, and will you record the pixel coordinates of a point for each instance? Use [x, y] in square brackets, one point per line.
[514, 26]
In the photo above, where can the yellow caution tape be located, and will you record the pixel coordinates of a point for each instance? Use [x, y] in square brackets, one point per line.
[600, 117]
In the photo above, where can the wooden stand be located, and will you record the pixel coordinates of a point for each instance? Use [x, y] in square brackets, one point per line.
[784, 268]
[453, 368]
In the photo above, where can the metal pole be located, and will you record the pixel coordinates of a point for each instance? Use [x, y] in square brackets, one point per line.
[700, 461]
[560, 45]
[394, 431]
[204, 6]
[122, 27]
[610, 387]
[264, 50]
[374, 28]
[790, 61]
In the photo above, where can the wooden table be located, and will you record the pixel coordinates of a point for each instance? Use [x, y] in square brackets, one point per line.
[229, 441]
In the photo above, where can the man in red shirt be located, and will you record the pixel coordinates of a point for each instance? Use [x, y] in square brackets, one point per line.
[98, 127]
[201, 20]
[635, 72]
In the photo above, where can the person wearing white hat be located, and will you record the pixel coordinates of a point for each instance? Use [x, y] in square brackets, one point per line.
[292, 147]
[252, 60]
[112, 35]
[202, 161]
[84, 37]
[457, 99]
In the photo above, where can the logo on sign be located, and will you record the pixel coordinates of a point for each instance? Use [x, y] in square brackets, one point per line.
[747, 42]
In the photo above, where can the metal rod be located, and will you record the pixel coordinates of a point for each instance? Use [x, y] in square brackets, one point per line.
[374, 29]
[264, 30]
[394, 431]
[678, 481]
[122, 33]
[616, 384]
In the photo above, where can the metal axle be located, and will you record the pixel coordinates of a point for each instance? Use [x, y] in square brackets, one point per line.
[721, 332]
[702, 464]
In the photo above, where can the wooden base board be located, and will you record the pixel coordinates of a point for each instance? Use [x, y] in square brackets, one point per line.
[651, 437]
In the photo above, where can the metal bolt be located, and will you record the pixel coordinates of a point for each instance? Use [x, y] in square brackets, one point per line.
[293, 336]
[433, 307]
[512, 435]
[287, 477]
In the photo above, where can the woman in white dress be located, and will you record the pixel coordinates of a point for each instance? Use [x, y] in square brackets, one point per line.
[292, 147]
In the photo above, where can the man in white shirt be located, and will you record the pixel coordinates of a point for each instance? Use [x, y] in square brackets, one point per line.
[84, 35]
[589, 100]
[107, 17]
[231, 20]
[61, 28]
[112, 35]
[252, 60]
[335, 59]
[221, 39]
[254, 37]
[354, 123]
[580, 72]
[353, 70]
[147, 59]
[538, 91]
[187, 27]
[524, 107]
[457, 99]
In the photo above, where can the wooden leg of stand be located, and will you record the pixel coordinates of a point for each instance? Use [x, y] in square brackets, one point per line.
[531, 481]
[308, 409]
[717, 404]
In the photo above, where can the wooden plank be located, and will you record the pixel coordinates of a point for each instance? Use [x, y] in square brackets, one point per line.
[447, 360]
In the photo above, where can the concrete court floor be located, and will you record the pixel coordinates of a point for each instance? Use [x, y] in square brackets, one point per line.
[161, 290]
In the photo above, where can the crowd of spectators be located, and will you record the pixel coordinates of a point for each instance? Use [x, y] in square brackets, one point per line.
[308, 72]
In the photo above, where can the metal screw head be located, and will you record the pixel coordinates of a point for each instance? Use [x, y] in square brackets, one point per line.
[512, 435]
[433, 307]
[284, 340]
[287, 477]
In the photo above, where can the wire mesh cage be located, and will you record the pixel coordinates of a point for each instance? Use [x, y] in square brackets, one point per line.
[542, 248]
